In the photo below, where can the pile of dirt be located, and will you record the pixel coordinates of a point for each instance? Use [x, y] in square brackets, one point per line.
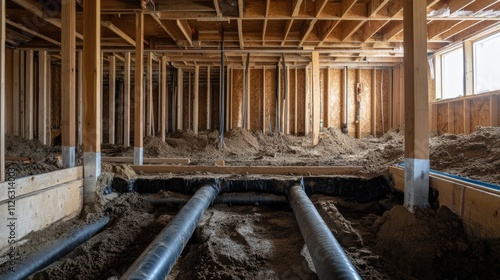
[430, 245]
[476, 155]
[241, 142]
[155, 147]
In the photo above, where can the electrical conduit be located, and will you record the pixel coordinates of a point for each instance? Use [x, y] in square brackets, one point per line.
[328, 256]
[160, 256]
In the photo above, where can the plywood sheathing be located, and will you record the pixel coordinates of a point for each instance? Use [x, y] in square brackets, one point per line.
[480, 112]
[336, 89]
[293, 104]
[270, 96]
[237, 100]
[458, 117]
[442, 121]
[202, 113]
[256, 81]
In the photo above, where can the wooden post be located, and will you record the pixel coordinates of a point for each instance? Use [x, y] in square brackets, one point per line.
[111, 96]
[196, 98]
[316, 98]
[264, 100]
[358, 103]
[29, 108]
[3, 37]
[468, 67]
[42, 97]
[434, 125]
[80, 98]
[374, 102]
[416, 104]
[288, 101]
[451, 118]
[326, 122]
[126, 101]
[101, 95]
[249, 92]
[163, 98]
[48, 116]
[180, 99]
[229, 101]
[92, 107]
[68, 83]
[189, 101]
[139, 90]
[149, 96]
[22, 97]
[467, 129]
[296, 103]
[306, 105]
[16, 94]
[158, 121]
[494, 110]
[209, 100]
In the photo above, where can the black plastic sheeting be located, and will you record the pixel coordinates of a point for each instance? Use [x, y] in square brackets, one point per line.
[327, 255]
[55, 250]
[230, 199]
[160, 256]
[353, 189]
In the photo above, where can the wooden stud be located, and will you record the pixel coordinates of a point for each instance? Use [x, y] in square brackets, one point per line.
[80, 98]
[358, 104]
[434, 126]
[3, 37]
[120, 108]
[196, 98]
[147, 160]
[101, 95]
[111, 96]
[264, 100]
[126, 101]
[149, 96]
[160, 96]
[316, 96]
[416, 104]
[467, 116]
[48, 116]
[163, 97]
[16, 93]
[22, 97]
[451, 118]
[374, 102]
[139, 90]
[288, 101]
[296, 103]
[42, 97]
[306, 104]
[189, 101]
[494, 110]
[91, 99]
[468, 67]
[29, 108]
[229, 99]
[180, 99]
[209, 100]
[249, 92]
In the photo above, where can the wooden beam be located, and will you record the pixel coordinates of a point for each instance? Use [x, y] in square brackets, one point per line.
[288, 27]
[316, 98]
[22, 97]
[29, 108]
[147, 160]
[196, 98]
[350, 27]
[245, 170]
[180, 98]
[264, 26]
[468, 48]
[416, 105]
[185, 30]
[43, 130]
[457, 5]
[371, 27]
[3, 37]
[396, 27]
[112, 98]
[264, 100]
[126, 101]
[494, 110]
[240, 34]
[374, 6]
[91, 100]
[296, 103]
[139, 90]
[32, 32]
[296, 4]
[80, 98]
[163, 98]
[241, 8]
[149, 96]
[118, 32]
[16, 93]
[288, 101]
[347, 6]
[217, 8]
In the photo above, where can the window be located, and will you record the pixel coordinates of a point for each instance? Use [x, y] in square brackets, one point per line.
[487, 64]
[453, 73]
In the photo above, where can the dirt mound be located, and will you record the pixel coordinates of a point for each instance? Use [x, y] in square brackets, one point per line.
[334, 142]
[241, 142]
[155, 147]
[476, 155]
[429, 245]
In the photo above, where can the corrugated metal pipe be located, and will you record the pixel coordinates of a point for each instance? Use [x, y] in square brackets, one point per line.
[328, 256]
[160, 256]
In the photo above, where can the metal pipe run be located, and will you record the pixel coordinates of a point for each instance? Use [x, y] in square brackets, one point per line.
[328, 256]
[227, 198]
[54, 250]
[160, 256]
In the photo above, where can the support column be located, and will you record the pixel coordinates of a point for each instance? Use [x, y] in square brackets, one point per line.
[163, 119]
[229, 109]
[374, 102]
[48, 97]
[139, 88]
[16, 93]
[416, 105]
[112, 94]
[101, 95]
[22, 97]
[42, 97]
[3, 36]
[196, 98]
[209, 100]
[68, 83]
[29, 108]
[316, 98]
[126, 102]
[80, 98]
[92, 98]
[180, 100]
[149, 97]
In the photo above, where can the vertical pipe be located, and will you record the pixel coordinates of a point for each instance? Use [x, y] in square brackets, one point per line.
[222, 94]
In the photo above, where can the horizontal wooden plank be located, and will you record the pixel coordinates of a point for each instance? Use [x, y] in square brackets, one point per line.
[147, 160]
[243, 170]
[39, 182]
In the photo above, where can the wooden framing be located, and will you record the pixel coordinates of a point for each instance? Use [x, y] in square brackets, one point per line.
[180, 98]
[43, 129]
[374, 102]
[149, 96]
[264, 100]
[16, 94]
[494, 110]
[209, 100]
[296, 103]
[316, 96]
[196, 98]
[80, 98]
[147, 160]
[468, 68]
[126, 99]
[229, 98]
[22, 97]
[3, 37]
[29, 108]
[245, 170]
[138, 94]
[164, 106]
[112, 98]
[92, 99]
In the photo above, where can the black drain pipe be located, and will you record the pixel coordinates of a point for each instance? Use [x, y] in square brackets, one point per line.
[54, 250]
[160, 256]
[227, 198]
[328, 256]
